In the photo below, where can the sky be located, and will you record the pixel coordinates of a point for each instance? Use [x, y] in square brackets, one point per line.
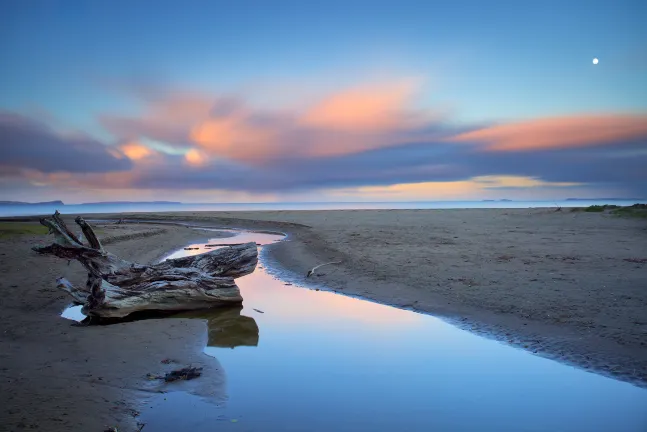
[248, 101]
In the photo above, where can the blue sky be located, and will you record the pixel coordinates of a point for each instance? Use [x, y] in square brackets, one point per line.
[69, 64]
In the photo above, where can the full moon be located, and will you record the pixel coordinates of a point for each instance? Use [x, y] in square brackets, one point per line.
[595, 60]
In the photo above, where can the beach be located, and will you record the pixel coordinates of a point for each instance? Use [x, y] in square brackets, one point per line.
[571, 286]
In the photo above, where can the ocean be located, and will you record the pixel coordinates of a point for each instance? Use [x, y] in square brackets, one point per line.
[46, 209]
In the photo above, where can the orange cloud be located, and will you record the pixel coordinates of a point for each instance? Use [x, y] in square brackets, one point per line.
[347, 122]
[364, 109]
[235, 137]
[195, 157]
[136, 151]
[559, 132]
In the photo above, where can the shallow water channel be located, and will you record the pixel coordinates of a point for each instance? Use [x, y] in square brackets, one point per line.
[299, 359]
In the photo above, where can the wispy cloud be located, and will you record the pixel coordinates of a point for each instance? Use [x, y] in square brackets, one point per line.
[349, 121]
[371, 136]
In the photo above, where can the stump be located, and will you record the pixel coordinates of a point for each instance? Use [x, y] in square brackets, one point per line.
[116, 287]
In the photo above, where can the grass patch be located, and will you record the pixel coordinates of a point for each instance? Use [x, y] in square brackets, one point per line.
[10, 229]
[594, 209]
[600, 208]
[636, 210]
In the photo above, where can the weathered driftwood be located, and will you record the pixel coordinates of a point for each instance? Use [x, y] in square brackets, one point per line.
[116, 287]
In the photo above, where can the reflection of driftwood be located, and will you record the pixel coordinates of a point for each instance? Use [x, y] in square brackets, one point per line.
[116, 288]
[311, 272]
[227, 327]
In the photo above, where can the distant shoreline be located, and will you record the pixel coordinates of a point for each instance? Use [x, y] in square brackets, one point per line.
[27, 209]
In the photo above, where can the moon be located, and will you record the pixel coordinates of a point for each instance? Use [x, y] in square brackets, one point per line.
[595, 60]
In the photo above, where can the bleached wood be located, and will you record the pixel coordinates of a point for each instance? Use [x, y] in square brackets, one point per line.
[116, 287]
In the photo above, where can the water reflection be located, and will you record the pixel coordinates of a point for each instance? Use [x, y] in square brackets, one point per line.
[227, 328]
[333, 363]
[329, 362]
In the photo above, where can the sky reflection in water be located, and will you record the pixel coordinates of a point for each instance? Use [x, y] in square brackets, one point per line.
[326, 362]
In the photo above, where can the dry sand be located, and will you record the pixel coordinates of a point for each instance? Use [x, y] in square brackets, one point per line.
[571, 286]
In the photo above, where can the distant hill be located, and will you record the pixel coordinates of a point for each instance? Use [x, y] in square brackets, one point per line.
[130, 202]
[17, 203]
[605, 199]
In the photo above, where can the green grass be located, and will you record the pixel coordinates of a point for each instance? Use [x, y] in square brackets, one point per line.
[10, 229]
[636, 210]
[601, 208]
[594, 209]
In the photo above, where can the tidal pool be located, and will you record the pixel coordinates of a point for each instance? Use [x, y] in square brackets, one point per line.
[299, 359]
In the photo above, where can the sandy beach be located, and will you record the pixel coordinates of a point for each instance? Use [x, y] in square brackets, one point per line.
[569, 286]
[60, 377]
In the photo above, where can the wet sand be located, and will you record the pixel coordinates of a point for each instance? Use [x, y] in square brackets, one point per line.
[570, 286]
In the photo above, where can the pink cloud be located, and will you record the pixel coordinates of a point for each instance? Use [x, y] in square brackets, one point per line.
[378, 108]
[559, 132]
[195, 157]
[236, 137]
[135, 151]
[349, 121]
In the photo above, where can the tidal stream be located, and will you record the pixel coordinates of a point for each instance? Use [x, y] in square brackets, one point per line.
[302, 359]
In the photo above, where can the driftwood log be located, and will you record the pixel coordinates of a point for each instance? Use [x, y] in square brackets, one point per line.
[116, 287]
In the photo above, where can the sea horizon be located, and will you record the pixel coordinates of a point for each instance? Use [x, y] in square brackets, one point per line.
[32, 209]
